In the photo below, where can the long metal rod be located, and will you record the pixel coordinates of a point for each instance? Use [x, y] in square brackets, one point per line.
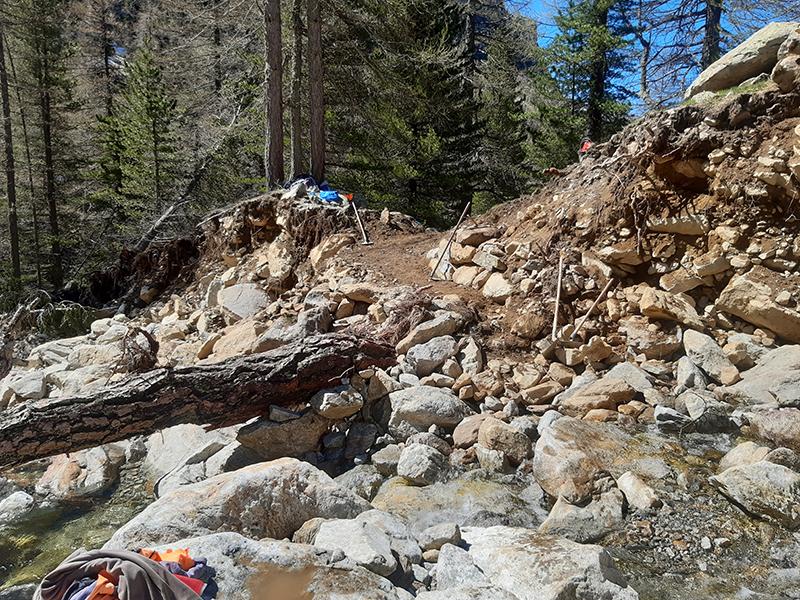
[597, 301]
[364, 235]
[558, 295]
[450, 241]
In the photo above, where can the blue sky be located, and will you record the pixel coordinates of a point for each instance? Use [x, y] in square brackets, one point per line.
[739, 24]
[543, 13]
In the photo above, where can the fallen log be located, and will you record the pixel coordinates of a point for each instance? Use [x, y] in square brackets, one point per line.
[215, 395]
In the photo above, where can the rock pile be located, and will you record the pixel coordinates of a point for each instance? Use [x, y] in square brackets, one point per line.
[663, 420]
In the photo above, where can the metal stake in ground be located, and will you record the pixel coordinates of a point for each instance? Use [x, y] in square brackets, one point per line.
[364, 235]
[558, 295]
[592, 307]
[446, 251]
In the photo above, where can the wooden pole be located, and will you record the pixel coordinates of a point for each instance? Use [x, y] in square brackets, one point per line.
[592, 307]
[558, 294]
[452, 237]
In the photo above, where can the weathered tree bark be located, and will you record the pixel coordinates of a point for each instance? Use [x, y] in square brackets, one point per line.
[298, 161]
[11, 184]
[272, 16]
[316, 86]
[712, 48]
[217, 40]
[215, 395]
[103, 10]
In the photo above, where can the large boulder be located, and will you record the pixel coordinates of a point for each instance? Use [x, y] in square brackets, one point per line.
[278, 262]
[364, 480]
[445, 323]
[758, 54]
[605, 393]
[751, 297]
[704, 352]
[589, 523]
[337, 403]
[466, 433]
[476, 236]
[14, 507]
[427, 357]
[248, 569]
[775, 380]
[239, 339]
[779, 427]
[286, 330]
[82, 475]
[791, 45]
[362, 542]
[243, 300]
[464, 501]
[647, 340]
[571, 454]
[631, 374]
[786, 73]
[30, 386]
[763, 489]
[455, 569]
[420, 464]
[171, 450]
[497, 288]
[19, 592]
[328, 248]
[534, 566]
[671, 307]
[415, 409]
[270, 440]
[54, 351]
[745, 453]
[494, 434]
[270, 499]
[638, 494]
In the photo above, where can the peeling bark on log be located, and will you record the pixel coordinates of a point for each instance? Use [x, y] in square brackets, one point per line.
[216, 395]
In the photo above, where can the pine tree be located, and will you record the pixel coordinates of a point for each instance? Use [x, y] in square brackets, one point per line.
[503, 57]
[590, 62]
[45, 38]
[410, 135]
[8, 139]
[142, 133]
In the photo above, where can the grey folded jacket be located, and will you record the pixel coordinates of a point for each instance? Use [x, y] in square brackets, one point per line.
[139, 578]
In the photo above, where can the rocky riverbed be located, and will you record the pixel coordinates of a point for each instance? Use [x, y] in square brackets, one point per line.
[646, 448]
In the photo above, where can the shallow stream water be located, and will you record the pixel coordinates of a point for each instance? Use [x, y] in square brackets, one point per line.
[660, 554]
[38, 543]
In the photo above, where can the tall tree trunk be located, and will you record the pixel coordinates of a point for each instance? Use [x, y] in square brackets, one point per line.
[11, 184]
[217, 53]
[597, 85]
[29, 164]
[272, 15]
[317, 92]
[298, 161]
[471, 40]
[156, 166]
[712, 48]
[108, 52]
[645, 42]
[56, 261]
